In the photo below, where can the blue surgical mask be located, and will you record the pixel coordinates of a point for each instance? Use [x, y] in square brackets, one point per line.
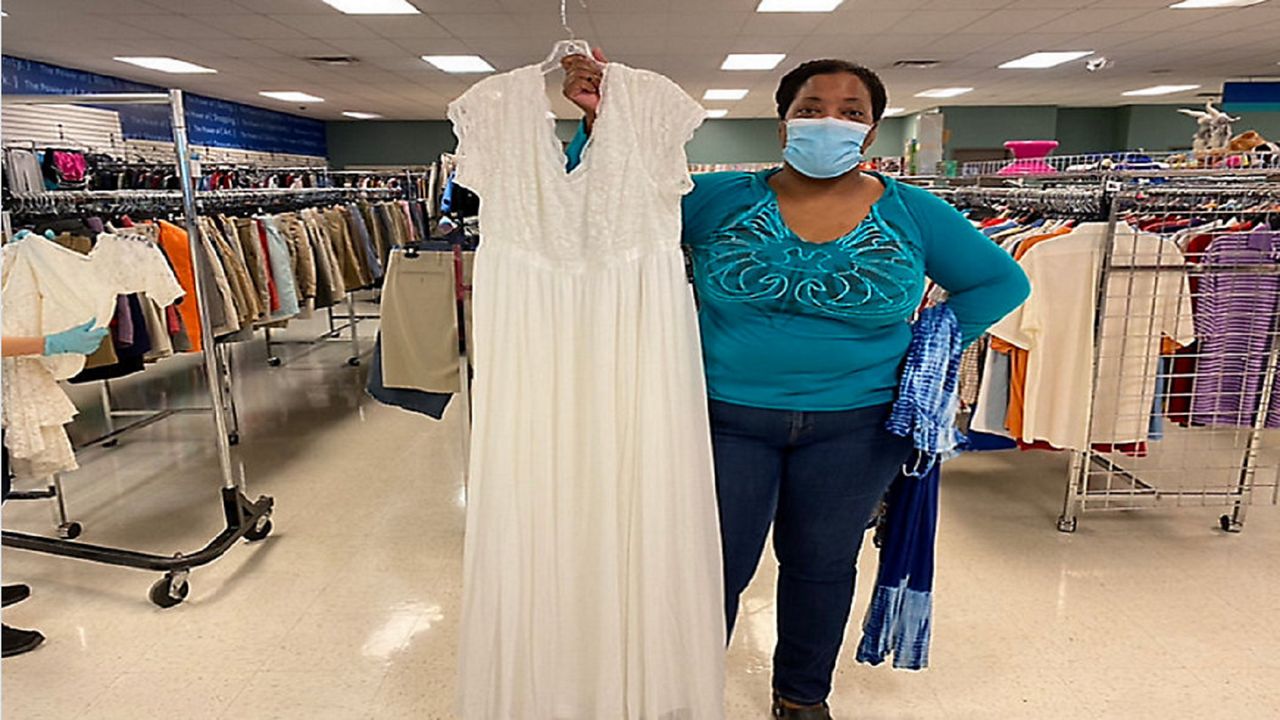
[824, 148]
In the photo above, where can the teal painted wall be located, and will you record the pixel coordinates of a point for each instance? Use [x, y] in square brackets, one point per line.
[1087, 130]
[1161, 127]
[1080, 130]
[990, 127]
[387, 142]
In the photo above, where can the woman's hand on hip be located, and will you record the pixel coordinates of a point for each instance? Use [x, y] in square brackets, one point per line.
[582, 78]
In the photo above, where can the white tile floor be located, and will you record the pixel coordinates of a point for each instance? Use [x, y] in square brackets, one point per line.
[349, 610]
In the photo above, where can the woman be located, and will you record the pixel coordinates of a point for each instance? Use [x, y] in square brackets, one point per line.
[82, 340]
[807, 277]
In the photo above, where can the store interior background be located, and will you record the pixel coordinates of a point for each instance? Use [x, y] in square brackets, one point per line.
[349, 610]
[279, 44]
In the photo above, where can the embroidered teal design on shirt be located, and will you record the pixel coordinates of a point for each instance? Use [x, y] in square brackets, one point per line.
[868, 273]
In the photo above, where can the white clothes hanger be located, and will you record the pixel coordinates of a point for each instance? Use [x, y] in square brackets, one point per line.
[565, 48]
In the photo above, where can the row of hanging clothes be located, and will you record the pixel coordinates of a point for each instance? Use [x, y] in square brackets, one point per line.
[1168, 317]
[263, 268]
[133, 278]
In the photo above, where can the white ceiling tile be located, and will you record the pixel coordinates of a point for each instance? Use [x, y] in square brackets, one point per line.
[367, 47]
[404, 26]
[260, 44]
[466, 25]
[634, 24]
[247, 26]
[417, 47]
[697, 23]
[941, 21]
[333, 25]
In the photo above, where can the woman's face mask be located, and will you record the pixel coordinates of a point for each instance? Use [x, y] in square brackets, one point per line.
[824, 148]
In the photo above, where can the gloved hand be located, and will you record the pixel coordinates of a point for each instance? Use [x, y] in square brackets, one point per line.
[48, 234]
[81, 340]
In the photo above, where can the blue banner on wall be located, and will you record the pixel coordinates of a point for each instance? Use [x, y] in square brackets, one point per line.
[1251, 97]
[210, 122]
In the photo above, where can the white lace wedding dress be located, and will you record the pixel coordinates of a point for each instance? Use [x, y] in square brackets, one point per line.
[593, 583]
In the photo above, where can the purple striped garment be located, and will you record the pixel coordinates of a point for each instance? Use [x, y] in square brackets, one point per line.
[1235, 319]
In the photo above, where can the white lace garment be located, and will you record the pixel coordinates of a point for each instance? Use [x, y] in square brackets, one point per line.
[593, 585]
[47, 289]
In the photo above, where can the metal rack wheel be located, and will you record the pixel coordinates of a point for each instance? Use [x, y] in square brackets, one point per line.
[70, 530]
[233, 438]
[1067, 525]
[274, 361]
[260, 530]
[353, 361]
[171, 589]
[1229, 524]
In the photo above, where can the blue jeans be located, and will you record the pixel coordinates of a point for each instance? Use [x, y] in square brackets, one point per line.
[818, 478]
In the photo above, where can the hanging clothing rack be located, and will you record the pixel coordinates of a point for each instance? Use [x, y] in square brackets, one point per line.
[1200, 462]
[244, 518]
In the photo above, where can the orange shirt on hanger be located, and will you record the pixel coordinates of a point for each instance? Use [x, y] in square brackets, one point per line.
[173, 240]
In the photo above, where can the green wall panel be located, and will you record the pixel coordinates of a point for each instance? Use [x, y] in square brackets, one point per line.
[1080, 130]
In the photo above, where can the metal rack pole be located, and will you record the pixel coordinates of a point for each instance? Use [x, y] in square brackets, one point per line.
[212, 364]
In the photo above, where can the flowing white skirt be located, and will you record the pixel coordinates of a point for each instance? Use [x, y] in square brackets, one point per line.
[593, 587]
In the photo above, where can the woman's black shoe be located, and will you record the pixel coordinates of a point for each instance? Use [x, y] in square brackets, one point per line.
[14, 594]
[17, 642]
[815, 712]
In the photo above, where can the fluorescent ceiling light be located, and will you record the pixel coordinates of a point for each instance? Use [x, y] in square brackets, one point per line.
[779, 6]
[717, 113]
[891, 112]
[166, 64]
[947, 92]
[752, 61]
[1211, 4]
[290, 96]
[1042, 60]
[373, 7]
[459, 63]
[360, 115]
[1162, 90]
[724, 95]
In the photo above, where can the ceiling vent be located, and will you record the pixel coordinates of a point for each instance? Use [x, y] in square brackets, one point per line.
[917, 64]
[334, 60]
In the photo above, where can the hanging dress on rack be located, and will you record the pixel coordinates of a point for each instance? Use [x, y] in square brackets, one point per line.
[592, 573]
[47, 289]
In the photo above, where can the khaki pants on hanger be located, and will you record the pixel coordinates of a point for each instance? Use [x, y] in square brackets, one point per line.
[419, 322]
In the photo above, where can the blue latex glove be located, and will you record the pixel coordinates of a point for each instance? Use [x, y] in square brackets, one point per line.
[48, 234]
[81, 340]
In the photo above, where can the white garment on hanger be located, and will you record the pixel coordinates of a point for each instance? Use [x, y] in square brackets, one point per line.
[1056, 325]
[593, 583]
[47, 289]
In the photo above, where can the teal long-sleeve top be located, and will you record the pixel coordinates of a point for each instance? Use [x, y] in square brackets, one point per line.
[793, 325]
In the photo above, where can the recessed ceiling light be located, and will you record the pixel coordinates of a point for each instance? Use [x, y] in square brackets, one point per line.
[361, 115]
[752, 61]
[373, 7]
[891, 112]
[166, 64]
[290, 96]
[1210, 4]
[459, 63]
[1042, 60]
[717, 113]
[724, 95]
[947, 92]
[1162, 90]
[778, 6]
